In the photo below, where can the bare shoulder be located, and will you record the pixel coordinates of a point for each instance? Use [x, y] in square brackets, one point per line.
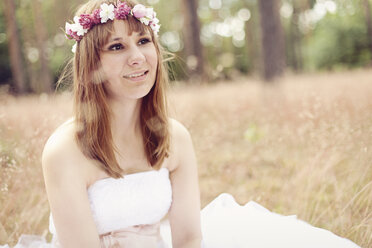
[59, 145]
[179, 132]
[181, 143]
[61, 154]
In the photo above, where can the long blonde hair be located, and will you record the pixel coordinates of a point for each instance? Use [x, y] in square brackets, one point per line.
[92, 112]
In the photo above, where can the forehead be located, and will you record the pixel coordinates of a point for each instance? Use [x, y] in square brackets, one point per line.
[128, 26]
[123, 28]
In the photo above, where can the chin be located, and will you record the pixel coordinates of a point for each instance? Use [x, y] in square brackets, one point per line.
[141, 93]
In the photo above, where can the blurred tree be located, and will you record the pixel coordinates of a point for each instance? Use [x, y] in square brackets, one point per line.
[5, 70]
[339, 39]
[193, 46]
[292, 11]
[26, 21]
[45, 76]
[294, 38]
[367, 8]
[272, 39]
[253, 43]
[15, 52]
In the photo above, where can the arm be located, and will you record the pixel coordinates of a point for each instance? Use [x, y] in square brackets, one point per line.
[67, 194]
[184, 215]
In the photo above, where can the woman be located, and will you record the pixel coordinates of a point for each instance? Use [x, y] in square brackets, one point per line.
[120, 131]
[120, 165]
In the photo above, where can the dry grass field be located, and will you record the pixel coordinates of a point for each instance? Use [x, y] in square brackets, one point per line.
[302, 146]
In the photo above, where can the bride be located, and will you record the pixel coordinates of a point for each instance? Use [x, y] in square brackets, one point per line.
[121, 165]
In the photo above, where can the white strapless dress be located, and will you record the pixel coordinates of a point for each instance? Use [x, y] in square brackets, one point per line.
[130, 213]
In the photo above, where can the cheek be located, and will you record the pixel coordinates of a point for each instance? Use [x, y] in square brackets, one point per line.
[152, 57]
[105, 66]
[155, 61]
[110, 67]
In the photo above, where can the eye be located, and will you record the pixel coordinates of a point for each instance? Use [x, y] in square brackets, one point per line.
[115, 47]
[144, 41]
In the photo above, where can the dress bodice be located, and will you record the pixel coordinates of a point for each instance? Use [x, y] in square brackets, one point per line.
[142, 198]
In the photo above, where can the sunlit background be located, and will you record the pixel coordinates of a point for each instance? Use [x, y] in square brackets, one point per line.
[318, 35]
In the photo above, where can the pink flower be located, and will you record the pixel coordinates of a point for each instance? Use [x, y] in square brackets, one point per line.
[70, 33]
[96, 18]
[122, 11]
[73, 35]
[86, 21]
[139, 11]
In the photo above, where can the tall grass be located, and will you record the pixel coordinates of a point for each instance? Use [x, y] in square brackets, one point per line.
[301, 146]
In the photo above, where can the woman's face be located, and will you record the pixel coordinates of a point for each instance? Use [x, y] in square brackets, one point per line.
[129, 63]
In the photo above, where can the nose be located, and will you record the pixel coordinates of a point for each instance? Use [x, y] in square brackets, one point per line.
[136, 56]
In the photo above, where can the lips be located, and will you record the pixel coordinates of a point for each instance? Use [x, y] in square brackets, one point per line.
[136, 75]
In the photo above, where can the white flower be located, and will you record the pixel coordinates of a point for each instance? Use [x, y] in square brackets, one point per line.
[144, 20]
[150, 13]
[68, 29]
[74, 48]
[155, 27]
[67, 26]
[76, 27]
[107, 12]
[79, 29]
[76, 19]
[155, 20]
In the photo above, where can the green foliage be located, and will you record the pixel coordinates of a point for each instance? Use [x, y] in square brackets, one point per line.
[253, 133]
[338, 41]
[5, 73]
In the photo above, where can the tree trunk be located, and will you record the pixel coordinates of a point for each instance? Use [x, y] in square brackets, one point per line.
[15, 51]
[367, 8]
[45, 79]
[272, 39]
[193, 46]
[294, 45]
[253, 41]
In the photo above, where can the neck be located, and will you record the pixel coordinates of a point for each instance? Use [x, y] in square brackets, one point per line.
[125, 120]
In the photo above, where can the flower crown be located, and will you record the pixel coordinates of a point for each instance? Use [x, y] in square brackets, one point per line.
[84, 22]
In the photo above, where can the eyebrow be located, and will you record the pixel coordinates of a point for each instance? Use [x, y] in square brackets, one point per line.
[119, 38]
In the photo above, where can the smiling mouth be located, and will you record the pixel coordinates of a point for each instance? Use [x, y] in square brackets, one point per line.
[136, 75]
